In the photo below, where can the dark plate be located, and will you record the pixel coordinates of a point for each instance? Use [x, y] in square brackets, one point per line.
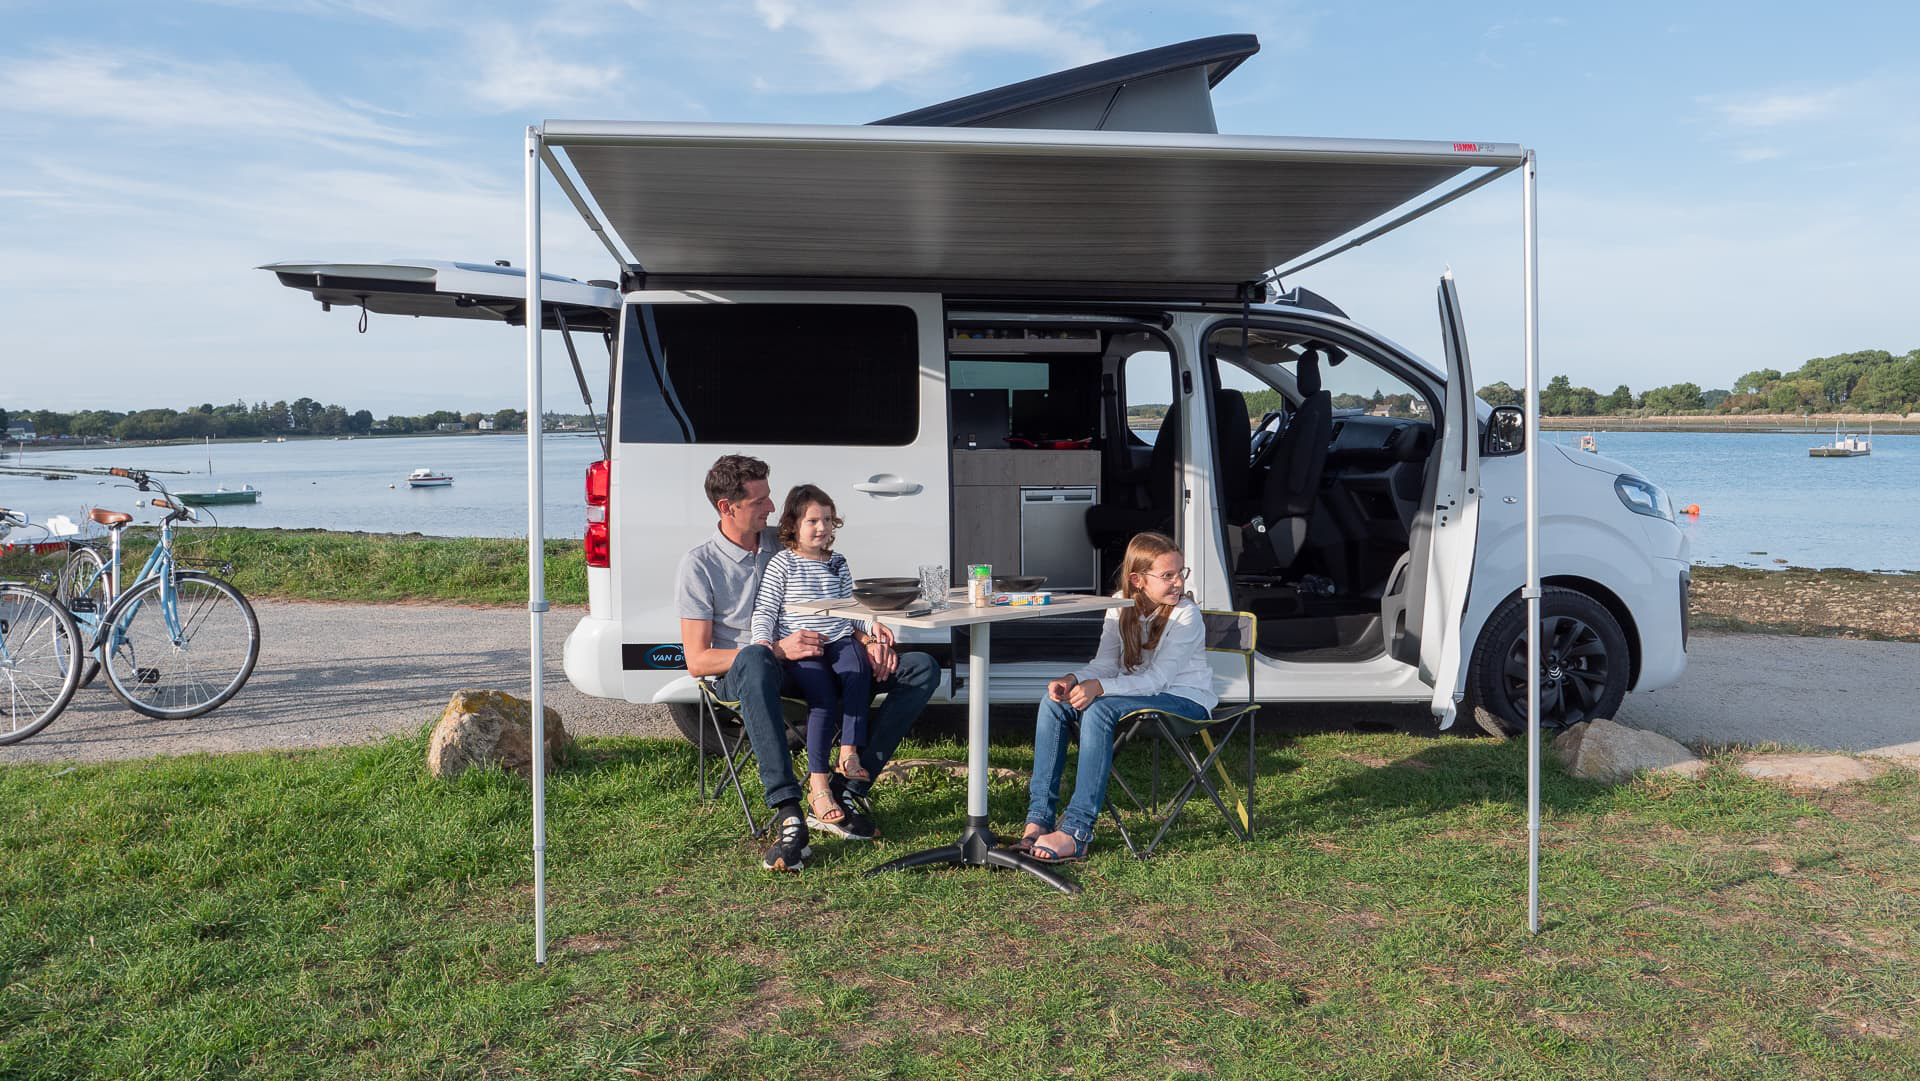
[886, 583]
[1019, 583]
[888, 600]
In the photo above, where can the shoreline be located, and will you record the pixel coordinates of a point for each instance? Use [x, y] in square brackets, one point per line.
[1816, 425]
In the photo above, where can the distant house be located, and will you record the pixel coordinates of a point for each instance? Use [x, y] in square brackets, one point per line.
[451, 426]
[486, 424]
[22, 430]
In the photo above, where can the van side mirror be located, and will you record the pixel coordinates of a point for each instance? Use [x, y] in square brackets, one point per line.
[1506, 432]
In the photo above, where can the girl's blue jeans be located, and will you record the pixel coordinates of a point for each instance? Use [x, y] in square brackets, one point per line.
[1097, 723]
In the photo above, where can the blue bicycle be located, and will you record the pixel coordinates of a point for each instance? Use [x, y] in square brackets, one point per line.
[175, 643]
[39, 653]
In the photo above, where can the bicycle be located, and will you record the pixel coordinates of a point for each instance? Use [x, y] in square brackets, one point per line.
[176, 643]
[39, 653]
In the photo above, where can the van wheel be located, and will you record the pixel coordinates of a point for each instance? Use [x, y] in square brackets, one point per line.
[686, 718]
[1584, 665]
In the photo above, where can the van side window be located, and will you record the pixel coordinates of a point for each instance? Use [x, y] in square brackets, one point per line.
[839, 374]
[1149, 393]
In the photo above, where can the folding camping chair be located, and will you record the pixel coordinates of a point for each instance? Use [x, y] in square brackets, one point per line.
[733, 754]
[1226, 632]
[737, 753]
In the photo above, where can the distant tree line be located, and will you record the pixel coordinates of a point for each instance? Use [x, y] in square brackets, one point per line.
[1869, 381]
[306, 416]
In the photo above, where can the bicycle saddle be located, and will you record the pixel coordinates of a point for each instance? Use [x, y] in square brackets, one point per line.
[110, 518]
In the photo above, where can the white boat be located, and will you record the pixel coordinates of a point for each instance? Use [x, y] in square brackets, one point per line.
[427, 478]
[1849, 447]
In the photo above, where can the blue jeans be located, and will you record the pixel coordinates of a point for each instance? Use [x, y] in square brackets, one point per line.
[836, 685]
[1096, 756]
[757, 680]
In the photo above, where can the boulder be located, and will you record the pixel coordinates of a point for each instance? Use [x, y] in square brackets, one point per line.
[1811, 770]
[1606, 750]
[482, 727]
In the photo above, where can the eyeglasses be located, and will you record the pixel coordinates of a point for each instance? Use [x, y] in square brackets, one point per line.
[1171, 577]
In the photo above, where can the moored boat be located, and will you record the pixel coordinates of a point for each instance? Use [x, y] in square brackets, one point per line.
[427, 478]
[1849, 447]
[221, 496]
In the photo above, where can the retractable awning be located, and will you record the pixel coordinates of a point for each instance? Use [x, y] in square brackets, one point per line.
[1194, 214]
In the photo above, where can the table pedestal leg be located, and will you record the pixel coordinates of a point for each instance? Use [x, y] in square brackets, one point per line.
[977, 846]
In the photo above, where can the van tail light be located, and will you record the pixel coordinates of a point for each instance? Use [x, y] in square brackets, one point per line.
[598, 542]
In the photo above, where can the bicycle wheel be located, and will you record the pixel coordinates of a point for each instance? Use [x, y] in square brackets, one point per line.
[82, 587]
[39, 661]
[180, 646]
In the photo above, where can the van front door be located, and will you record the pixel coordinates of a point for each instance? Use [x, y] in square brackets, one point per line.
[843, 391]
[1455, 511]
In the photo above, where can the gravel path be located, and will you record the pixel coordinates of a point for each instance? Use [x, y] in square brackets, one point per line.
[347, 673]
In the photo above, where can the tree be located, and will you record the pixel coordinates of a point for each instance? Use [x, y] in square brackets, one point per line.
[1501, 394]
[508, 420]
[1677, 398]
[1619, 401]
[361, 422]
[1755, 381]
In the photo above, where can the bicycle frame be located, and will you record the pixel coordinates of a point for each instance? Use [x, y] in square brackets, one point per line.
[159, 563]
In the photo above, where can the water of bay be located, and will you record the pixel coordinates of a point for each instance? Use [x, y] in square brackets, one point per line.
[1763, 501]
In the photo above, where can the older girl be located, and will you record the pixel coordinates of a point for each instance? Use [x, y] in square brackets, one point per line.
[1151, 656]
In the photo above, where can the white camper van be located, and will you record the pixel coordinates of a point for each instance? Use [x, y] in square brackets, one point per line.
[1019, 327]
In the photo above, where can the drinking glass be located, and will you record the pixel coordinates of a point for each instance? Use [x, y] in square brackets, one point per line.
[933, 585]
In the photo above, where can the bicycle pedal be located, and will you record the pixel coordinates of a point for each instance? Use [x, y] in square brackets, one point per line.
[146, 675]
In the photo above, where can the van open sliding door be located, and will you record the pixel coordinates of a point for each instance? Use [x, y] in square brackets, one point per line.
[840, 390]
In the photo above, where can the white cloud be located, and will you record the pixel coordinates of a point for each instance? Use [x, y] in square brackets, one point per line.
[866, 44]
[1774, 109]
[148, 91]
[516, 72]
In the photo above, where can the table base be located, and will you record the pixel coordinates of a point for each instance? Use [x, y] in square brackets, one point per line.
[978, 847]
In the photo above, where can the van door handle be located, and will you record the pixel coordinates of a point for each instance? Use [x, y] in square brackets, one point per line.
[884, 484]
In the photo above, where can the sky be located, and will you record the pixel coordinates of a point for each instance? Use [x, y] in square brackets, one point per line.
[1722, 187]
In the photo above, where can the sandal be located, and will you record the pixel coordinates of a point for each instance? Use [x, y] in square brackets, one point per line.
[1033, 832]
[823, 807]
[850, 766]
[1047, 853]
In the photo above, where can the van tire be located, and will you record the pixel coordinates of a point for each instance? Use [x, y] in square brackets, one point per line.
[1593, 662]
[686, 718]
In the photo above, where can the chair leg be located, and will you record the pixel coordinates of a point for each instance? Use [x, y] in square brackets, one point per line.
[729, 754]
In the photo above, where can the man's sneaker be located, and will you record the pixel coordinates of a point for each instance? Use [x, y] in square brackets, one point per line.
[857, 811]
[790, 849]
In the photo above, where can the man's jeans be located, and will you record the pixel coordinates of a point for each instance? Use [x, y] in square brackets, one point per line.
[757, 680]
[1096, 756]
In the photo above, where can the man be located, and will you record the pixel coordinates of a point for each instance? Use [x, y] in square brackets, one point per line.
[713, 592]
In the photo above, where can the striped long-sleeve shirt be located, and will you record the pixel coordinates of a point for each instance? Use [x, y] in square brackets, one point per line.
[793, 577]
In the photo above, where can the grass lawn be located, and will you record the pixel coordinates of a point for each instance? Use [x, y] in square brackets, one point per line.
[339, 914]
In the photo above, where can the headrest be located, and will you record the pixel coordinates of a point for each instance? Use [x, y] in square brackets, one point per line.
[1307, 376]
[1230, 407]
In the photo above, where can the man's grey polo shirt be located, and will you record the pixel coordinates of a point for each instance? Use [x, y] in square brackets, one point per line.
[717, 581]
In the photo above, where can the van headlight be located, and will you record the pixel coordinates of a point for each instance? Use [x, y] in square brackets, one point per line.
[1643, 496]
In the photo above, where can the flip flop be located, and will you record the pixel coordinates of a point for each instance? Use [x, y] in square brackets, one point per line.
[1026, 840]
[1046, 853]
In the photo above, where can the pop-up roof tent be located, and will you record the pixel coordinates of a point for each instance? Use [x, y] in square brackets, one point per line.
[1019, 191]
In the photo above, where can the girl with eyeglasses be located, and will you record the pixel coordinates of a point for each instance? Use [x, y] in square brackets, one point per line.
[1152, 656]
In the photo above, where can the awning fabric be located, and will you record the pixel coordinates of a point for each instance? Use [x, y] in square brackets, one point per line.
[982, 204]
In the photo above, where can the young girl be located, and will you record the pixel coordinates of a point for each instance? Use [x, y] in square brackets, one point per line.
[1151, 656]
[837, 683]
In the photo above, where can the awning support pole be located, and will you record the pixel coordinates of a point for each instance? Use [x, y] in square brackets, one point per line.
[1530, 259]
[536, 550]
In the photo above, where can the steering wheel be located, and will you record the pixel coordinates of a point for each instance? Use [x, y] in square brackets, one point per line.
[1264, 434]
